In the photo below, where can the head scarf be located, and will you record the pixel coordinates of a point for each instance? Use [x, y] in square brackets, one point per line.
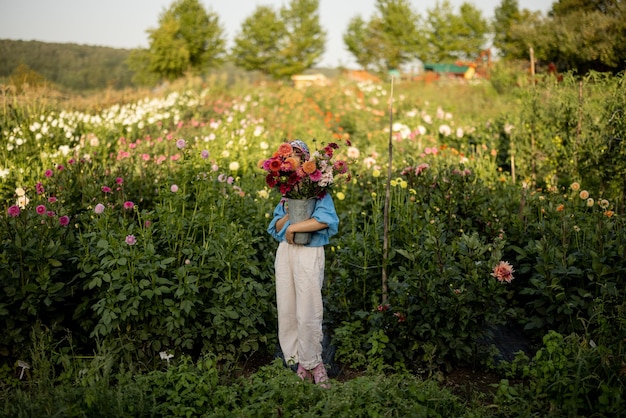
[296, 143]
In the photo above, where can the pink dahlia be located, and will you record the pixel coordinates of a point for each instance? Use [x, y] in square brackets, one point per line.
[503, 272]
[13, 211]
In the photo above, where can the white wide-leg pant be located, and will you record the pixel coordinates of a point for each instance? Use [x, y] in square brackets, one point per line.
[299, 279]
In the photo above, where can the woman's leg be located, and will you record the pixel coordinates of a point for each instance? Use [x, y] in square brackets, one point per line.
[286, 304]
[308, 274]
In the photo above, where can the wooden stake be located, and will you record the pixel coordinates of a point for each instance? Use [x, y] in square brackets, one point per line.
[387, 200]
[532, 64]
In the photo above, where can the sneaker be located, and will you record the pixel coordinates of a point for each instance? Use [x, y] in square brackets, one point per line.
[319, 376]
[304, 374]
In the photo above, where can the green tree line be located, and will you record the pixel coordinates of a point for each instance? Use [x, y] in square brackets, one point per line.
[576, 35]
[76, 67]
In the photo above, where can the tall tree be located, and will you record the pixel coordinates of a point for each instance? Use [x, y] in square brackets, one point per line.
[506, 15]
[532, 30]
[304, 41]
[565, 7]
[356, 38]
[400, 32]
[391, 37]
[169, 54]
[256, 46]
[590, 34]
[189, 38]
[451, 37]
[283, 44]
[473, 31]
[579, 35]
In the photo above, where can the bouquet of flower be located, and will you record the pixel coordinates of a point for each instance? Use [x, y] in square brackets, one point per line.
[296, 179]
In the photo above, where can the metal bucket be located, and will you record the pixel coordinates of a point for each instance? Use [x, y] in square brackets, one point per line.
[300, 210]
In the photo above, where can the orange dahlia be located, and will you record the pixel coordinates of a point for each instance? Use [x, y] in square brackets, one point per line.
[294, 162]
[284, 150]
[275, 165]
[309, 167]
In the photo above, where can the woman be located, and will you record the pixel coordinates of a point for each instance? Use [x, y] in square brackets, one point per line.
[299, 273]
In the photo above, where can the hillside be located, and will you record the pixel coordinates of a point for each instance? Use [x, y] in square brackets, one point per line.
[72, 66]
[85, 68]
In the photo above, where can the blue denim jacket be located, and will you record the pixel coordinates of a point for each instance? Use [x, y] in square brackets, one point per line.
[324, 212]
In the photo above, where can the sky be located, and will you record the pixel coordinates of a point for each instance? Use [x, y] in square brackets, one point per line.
[123, 23]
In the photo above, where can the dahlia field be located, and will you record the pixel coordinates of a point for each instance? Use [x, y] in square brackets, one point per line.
[136, 273]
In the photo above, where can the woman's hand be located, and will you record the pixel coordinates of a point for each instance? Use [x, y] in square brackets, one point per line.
[289, 235]
[281, 222]
[310, 225]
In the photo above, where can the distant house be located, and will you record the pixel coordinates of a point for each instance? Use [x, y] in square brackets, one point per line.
[306, 80]
[451, 70]
[361, 75]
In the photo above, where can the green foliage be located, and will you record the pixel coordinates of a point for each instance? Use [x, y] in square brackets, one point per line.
[189, 38]
[304, 40]
[451, 37]
[567, 131]
[188, 389]
[34, 267]
[603, 154]
[188, 282]
[558, 39]
[397, 26]
[24, 77]
[508, 75]
[75, 67]
[506, 15]
[568, 376]
[516, 31]
[184, 389]
[571, 263]
[281, 44]
[396, 35]
[441, 295]
[599, 48]
[362, 40]
[389, 40]
[256, 45]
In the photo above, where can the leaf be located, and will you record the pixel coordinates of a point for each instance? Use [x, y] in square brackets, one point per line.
[31, 288]
[96, 281]
[406, 254]
[54, 263]
[56, 287]
[232, 314]
[167, 261]
[161, 289]
[518, 250]
[186, 305]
